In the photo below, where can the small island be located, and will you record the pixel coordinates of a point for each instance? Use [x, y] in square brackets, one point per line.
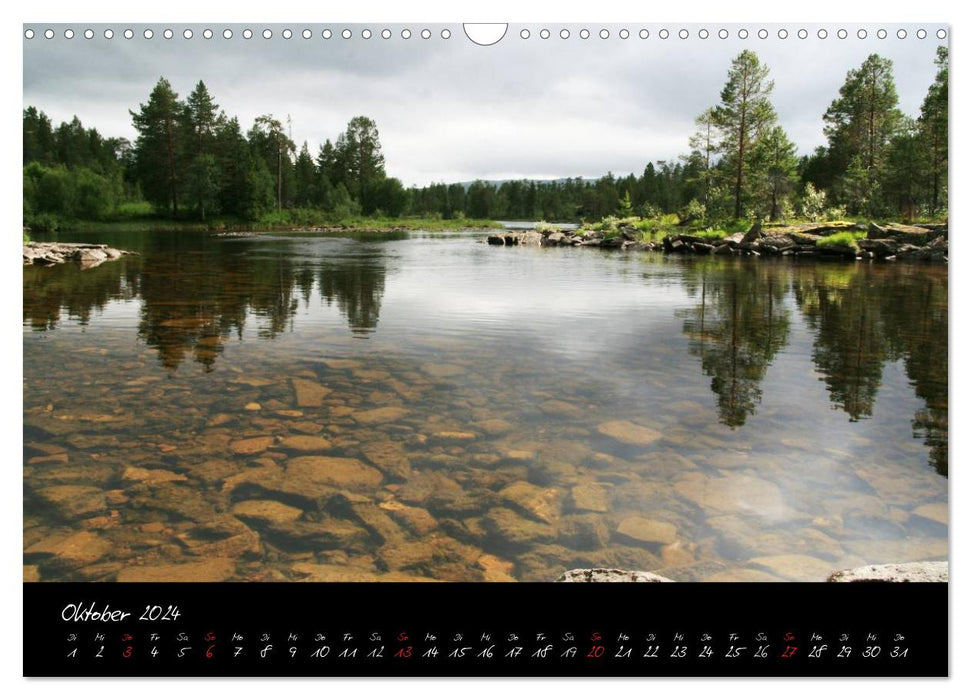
[87, 255]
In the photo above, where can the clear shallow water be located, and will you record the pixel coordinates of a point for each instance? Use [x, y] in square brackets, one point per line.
[430, 407]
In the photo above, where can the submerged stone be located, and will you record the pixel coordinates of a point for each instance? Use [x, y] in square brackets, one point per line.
[343, 574]
[389, 457]
[795, 567]
[74, 502]
[629, 433]
[308, 393]
[151, 476]
[932, 511]
[251, 446]
[496, 570]
[584, 532]
[70, 551]
[647, 531]
[203, 571]
[493, 426]
[375, 416]
[334, 471]
[305, 443]
[417, 520]
[539, 503]
[225, 536]
[590, 496]
[512, 528]
[266, 511]
[734, 494]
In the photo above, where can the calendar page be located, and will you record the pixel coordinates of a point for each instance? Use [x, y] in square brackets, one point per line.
[548, 349]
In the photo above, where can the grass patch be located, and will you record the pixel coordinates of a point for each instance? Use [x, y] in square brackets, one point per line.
[712, 234]
[843, 238]
[545, 227]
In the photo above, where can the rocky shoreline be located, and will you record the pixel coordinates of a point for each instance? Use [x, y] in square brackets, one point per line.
[87, 255]
[912, 572]
[928, 242]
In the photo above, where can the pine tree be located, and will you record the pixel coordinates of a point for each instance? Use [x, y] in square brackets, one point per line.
[704, 145]
[359, 157]
[159, 148]
[860, 124]
[776, 157]
[932, 130]
[743, 117]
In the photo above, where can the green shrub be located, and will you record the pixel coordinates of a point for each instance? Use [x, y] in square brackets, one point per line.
[843, 238]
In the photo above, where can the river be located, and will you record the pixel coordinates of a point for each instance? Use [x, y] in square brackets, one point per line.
[427, 407]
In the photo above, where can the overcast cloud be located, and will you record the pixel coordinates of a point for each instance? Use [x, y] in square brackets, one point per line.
[449, 110]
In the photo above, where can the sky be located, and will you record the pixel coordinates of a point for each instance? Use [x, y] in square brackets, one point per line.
[451, 110]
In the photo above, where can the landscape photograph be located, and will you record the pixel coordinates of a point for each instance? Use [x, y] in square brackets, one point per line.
[378, 303]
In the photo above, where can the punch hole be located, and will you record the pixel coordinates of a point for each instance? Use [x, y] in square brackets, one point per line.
[148, 34]
[822, 34]
[901, 33]
[881, 34]
[564, 33]
[366, 34]
[109, 34]
[168, 34]
[604, 34]
[664, 33]
[743, 33]
[683, 34]
[306, 33]
[446, 34]
[129, 34]
[486, 34]
[921, 34]
[941, 34]
[524, 34]
[584, 33]
[227, 34]
[623, 34]
[802, 34]
[405, 33]
[385, 33]
[842, 34]
[346, 34]
[89, 34]
[426, 34]
[643, 34]
[207, 34]
[326, 34]
[861, 34]
[783, 34]
[247, 33]
[49, 34]
[187, 34]
[763, 34]
[722, 33]
[68, 33]
[544, 34]
[267, 34]
[29, 34]
[287, 33]
[702, 33]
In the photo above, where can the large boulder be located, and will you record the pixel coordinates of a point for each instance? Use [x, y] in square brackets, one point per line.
[754, 234]
[610, 576]
[880, 247]
[912, 572]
